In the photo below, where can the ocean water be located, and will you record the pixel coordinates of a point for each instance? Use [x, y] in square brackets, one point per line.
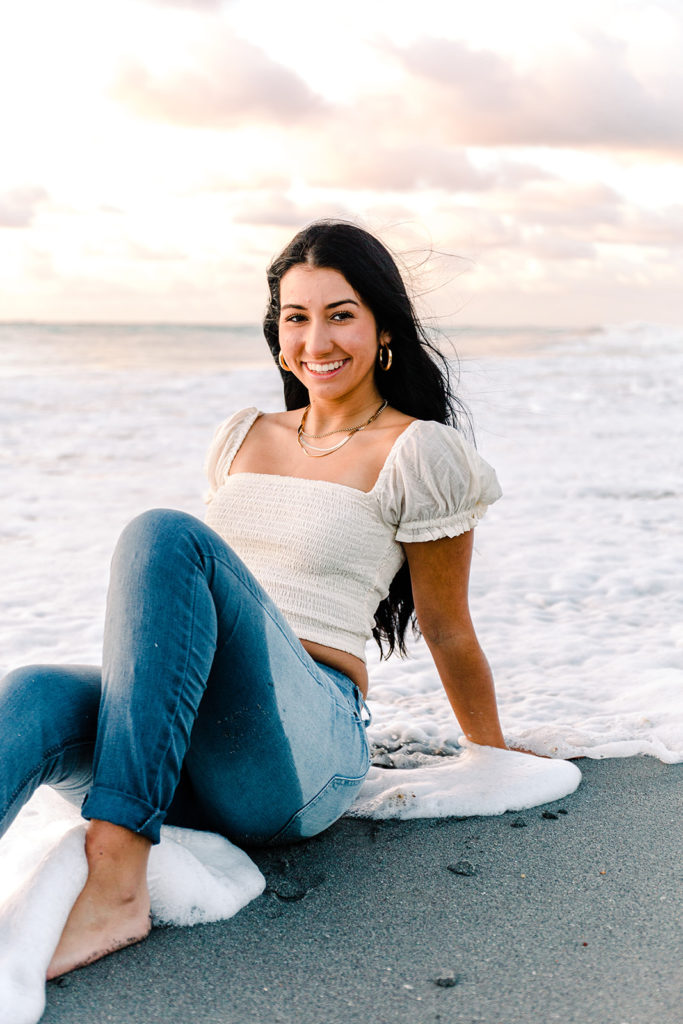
[577, 586]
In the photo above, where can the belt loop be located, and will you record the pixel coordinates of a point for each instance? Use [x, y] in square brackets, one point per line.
[363, 707]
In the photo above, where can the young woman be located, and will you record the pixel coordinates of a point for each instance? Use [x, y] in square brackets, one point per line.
[231, 693]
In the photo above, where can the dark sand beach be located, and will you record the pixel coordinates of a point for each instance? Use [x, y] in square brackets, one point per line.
[567, 913]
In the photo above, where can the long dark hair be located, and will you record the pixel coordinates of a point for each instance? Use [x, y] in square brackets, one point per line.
[418, 383]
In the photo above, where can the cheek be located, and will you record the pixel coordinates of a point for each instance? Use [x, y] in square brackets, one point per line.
[285, 338]
[367, 349]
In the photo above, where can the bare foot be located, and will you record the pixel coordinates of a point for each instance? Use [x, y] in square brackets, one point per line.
[94, 930]
[113, 908]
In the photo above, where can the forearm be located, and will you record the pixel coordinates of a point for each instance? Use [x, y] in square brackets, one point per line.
[468, 682]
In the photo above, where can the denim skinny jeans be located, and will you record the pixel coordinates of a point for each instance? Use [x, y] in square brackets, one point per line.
[207, 711]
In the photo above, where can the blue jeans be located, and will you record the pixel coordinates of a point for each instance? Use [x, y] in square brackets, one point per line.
[207, 711]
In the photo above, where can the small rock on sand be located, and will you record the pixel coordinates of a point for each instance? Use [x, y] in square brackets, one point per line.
[447, 979]
[462, 867]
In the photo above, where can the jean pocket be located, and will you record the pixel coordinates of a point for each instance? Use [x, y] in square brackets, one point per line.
[322, 810]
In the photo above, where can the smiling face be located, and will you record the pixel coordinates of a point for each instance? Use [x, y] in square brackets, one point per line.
[328, 336]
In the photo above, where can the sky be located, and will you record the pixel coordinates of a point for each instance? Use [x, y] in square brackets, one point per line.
[523, 160]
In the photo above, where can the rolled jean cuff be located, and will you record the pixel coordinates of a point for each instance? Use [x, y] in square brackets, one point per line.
[121, 809]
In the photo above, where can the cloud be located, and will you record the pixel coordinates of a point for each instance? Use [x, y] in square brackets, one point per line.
[569, 204]
[192, 5]
[276, 210]
[368, 147]
[39, 265]
[661, 228]
[546, 246]
[469, 230]
[230, 83]
[574, 213]
[155, 254]
[366, 156]
[18, 206]
[399, 168]
[230, 180]
[589, 96]
[564, 223]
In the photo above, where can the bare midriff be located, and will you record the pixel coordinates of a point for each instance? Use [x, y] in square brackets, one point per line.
[342, 661]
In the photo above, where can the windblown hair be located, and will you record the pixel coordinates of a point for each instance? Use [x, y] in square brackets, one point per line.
[418, 383]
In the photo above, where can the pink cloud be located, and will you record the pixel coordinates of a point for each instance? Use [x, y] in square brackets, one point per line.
[225, 180]
[399, 168]
[386, 146]
[232, 83]
[18, 206]
[565, 203]
[551, 246]
[274, 209]
[155, 254]
[586, 98]
[475, 228]
[657, 228]
[193, 5]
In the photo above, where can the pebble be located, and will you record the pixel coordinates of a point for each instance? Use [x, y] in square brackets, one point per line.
[463, 867]
[447, 980]
[382, 761]
[549, 815]
[518, 823]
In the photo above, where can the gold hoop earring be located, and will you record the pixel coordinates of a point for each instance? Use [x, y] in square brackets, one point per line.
[281, 361]
[385, 358]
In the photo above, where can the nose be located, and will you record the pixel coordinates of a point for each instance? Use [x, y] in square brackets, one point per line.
[319, 340]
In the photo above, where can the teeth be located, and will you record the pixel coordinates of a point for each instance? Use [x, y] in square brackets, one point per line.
[324, 367]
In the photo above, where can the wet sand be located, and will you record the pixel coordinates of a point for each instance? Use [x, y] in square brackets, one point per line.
[527, 918]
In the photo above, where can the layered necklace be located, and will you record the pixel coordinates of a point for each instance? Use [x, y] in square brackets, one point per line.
[315, 452]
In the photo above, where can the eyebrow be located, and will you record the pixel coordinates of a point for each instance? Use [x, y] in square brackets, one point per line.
[330, 305]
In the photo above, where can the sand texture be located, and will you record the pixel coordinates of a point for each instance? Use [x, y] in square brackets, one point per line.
[526, 918]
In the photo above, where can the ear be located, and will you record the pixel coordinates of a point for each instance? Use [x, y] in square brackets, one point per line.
[384, 338]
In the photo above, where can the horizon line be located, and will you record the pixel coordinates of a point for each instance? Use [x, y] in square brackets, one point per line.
[506, 325]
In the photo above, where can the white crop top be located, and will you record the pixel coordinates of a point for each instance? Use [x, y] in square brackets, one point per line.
[325, 552]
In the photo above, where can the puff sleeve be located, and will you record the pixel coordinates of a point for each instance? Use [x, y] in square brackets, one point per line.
[223, 448]
[435, 484]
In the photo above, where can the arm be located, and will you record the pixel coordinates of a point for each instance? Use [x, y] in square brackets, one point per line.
[439, 572]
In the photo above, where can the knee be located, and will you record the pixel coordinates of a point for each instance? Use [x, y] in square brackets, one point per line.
[18, 683]
[153, 530]
[155, 522]
[160, 543]
[37, 692]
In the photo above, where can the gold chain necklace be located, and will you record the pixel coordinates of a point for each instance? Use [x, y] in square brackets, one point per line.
[309, 449]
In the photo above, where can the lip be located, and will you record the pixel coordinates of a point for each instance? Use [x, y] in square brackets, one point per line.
[329, 373]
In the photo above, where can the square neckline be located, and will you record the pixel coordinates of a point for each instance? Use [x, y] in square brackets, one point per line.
[308, 480]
